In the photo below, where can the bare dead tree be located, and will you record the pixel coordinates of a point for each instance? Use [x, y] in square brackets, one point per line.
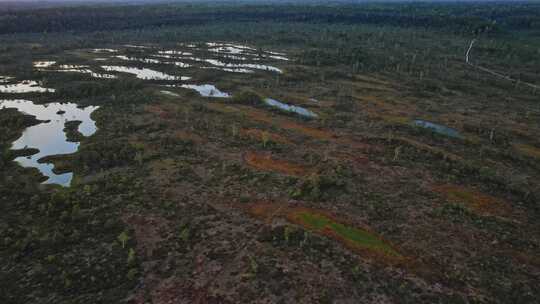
[496, 74]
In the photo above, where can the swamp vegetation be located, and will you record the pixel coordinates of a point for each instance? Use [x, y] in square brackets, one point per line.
[276, 153]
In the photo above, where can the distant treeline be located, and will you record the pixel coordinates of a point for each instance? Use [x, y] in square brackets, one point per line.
[456, 17]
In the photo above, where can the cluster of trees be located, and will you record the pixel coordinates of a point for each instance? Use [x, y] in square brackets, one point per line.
[12, 122]
[104, 155]
[64, 244]
[119, 91]
[457, 17]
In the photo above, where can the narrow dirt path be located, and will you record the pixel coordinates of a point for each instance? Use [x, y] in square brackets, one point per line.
[467, 61]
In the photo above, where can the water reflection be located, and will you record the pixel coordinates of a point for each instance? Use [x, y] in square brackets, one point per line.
[143, 60]
[290, 108]
[44, 64]
[25, 86]
[207, 90]
[104, 50]
[83, 69]
[142, 73]
[444, 130]
[243, 65]
[169, 93]
[49, 137]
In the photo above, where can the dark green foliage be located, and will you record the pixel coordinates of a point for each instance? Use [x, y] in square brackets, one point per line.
[247, 97]
[465, 18]
[118, 91]
[12, 122]
[72, 132]
[104, 155]
[63, 242]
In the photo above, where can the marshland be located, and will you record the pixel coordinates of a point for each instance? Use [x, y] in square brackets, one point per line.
[270, 152]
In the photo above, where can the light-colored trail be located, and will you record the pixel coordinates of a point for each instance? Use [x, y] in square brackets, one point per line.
[467, 61]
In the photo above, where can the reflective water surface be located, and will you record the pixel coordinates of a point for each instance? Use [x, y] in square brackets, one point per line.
[440, 129]
[25, 86]
[218, 63]
[143, 60]
[143, 73]
[44, 64]
[290, 108]
[49, 136]
[169, 93]
[207, 90]
[83, 69]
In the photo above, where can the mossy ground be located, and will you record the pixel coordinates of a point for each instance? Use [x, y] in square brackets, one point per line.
[354, 237]
[266, 162]
[528, 150]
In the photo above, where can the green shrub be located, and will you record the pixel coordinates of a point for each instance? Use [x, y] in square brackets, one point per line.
[247, 97]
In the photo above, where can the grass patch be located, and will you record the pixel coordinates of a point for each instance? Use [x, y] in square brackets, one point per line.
[397, 120]
[528, 150]
[428, 149]
[481, 203]
[247, 97]
[353, 237]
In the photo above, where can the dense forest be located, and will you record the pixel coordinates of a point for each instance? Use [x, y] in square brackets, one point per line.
[456, 17]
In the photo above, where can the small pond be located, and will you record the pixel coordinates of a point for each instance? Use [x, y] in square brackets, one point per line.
[143, 60]
[49, 136]
[218, 63]
[44, 64]
[169, 93]
[290, 108]
[104, 51]
[171, 53]
[83, 69]
[25, 86]
[437, 128]
[143, 73]
[231, 70]
[4, 79]
[207, 90]
[235, 49]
